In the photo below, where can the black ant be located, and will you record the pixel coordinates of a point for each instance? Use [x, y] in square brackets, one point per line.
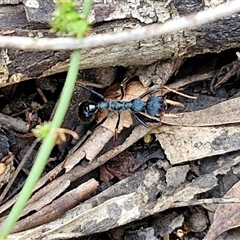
[153, 107]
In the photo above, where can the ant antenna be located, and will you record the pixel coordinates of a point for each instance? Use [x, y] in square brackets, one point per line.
[123, 86]
[92, 91]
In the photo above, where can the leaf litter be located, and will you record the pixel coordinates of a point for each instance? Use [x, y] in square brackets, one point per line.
[151, 195]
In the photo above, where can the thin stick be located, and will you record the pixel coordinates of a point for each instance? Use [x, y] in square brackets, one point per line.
[20, 166]
[102, 40]
[41, 95]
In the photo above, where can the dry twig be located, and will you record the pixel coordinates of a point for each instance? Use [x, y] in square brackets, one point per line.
[102, 40]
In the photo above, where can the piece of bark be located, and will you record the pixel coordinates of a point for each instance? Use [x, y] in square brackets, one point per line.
[144, 184]
[226, 216]
[37, 204]
[226, 112]
[184, 144]
[14, 123]
[128, 207]
[108, 17]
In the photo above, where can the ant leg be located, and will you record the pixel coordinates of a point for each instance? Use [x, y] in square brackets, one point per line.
[140, 120]
[92, 91]
[151, 91]
[116, 130]
[175, 104]
[124, 83]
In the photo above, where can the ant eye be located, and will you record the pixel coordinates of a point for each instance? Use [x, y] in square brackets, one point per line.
[86, 111]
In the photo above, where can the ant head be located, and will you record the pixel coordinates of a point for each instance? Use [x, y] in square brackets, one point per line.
[155, 106]
[87, 111]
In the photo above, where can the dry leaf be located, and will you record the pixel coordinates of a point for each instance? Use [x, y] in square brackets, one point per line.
[184, 144]
[134, 90]
[138, 201]
[227, 216]
[6, 169]
[121, 166]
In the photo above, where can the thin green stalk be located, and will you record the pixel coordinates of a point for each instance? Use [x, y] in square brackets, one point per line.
[87, 7]
[27, 189]
[49, 141]
[67, 91]
[45, 149]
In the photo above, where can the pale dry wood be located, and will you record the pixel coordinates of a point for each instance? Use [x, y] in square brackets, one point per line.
[126, 208]
[142, 186]
[43, 200]
[176, 175]
[226, 216]
[98, 139]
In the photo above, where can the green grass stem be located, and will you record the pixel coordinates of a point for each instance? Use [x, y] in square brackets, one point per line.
[49, 142]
